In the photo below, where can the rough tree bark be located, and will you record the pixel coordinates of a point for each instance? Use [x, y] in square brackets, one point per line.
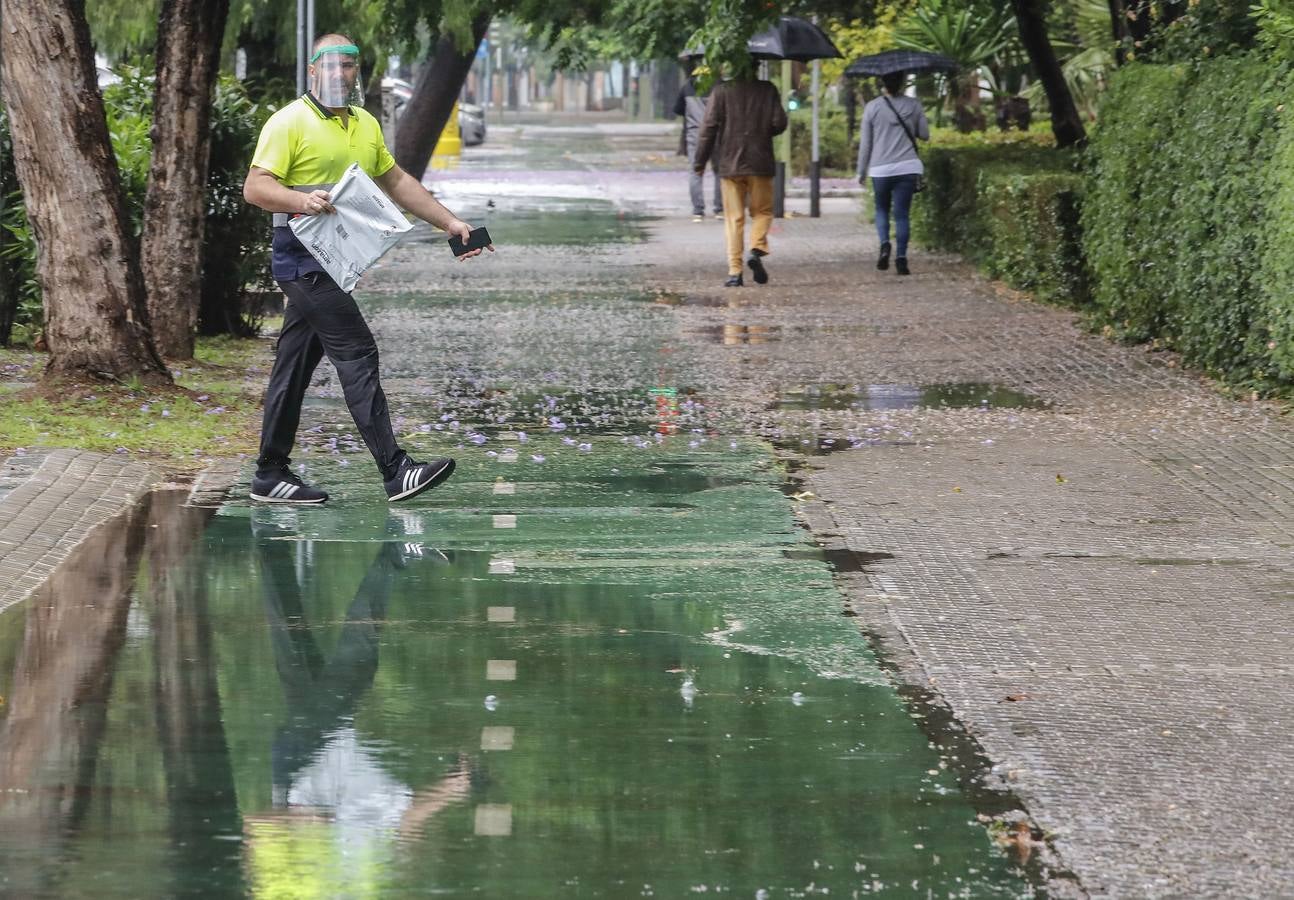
[96, 320]
[1066, 123]
[439, 81]
[1119, 30]
[189, 33]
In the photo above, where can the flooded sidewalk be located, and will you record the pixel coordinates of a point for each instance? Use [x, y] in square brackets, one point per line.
[839, 586]
[603, 660]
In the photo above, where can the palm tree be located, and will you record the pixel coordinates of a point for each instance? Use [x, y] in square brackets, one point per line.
[980, 35]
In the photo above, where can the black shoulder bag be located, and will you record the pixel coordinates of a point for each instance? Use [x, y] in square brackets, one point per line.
[921, 179]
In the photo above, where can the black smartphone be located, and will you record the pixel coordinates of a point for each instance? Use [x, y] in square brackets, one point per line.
[477, 240]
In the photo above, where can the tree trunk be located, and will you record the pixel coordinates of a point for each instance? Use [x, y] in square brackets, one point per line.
[1119, 30]
[57, 709]
[200, 795]
[96, 321]
[1066, 123]
[189, 33]
[439, 81]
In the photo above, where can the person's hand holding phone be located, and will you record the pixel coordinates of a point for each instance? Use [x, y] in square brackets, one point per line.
[465, 243]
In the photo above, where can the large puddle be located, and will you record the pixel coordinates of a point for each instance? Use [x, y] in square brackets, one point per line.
[601, 661]
[596, 675]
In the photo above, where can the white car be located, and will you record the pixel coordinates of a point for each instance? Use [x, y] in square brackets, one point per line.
[471, 118]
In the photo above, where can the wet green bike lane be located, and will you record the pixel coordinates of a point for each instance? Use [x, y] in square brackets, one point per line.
[601, 661]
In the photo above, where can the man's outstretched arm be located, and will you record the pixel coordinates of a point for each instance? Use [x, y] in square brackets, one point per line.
[411, 196]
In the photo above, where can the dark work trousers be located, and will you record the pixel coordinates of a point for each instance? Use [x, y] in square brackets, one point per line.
[321, 319]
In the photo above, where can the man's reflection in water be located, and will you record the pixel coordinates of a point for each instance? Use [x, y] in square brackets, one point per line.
[322, 770]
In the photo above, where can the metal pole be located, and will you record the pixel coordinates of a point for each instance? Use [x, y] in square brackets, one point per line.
[783, 148]
[815, 164]
[303, 47]
[310, 24]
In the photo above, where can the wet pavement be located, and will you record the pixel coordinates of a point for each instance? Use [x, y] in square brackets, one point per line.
[788, 591]
[603, 660]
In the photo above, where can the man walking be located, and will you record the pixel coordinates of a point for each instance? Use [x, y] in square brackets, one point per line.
[740, 122]
[303, 150]
[692, 109]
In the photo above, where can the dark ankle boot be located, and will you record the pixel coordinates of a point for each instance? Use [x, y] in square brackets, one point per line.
[883, 262]
[901, 266]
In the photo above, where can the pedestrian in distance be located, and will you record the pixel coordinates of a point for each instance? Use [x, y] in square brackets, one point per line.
[887, 151]
[741, 120]
[302, 152]
[691, 107]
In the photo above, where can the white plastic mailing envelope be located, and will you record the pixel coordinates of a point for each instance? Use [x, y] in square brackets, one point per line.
[366, 225]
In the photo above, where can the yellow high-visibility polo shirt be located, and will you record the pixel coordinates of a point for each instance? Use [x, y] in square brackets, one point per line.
[304, 143]
[305, 146]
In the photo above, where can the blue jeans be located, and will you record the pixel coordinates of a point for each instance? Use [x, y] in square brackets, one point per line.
[896, 191]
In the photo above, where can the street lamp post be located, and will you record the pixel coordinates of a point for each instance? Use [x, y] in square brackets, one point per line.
[815, 162]
[303, 48]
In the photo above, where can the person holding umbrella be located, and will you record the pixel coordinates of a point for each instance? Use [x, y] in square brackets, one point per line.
[887, 150]
[740, 122]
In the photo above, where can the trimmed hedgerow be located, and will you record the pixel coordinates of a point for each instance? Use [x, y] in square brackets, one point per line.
[1013, 209]
[1275, 258]
[1181, 219]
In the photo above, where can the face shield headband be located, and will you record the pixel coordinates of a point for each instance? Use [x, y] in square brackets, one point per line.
[334, 77]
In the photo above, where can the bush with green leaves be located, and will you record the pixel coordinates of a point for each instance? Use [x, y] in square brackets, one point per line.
[236, 241]
[1186, 217]
[835, 149]
[1011, 206]
[20, 306]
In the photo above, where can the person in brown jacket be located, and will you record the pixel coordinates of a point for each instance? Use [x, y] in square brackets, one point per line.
[740, 121]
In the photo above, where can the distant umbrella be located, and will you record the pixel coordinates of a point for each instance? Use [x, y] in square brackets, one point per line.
[790, 38]
[793, 38]
[892, 61]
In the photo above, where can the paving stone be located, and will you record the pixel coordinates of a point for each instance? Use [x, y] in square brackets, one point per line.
[1102, 589]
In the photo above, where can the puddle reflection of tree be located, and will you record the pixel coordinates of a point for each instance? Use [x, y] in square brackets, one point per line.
[51, 738]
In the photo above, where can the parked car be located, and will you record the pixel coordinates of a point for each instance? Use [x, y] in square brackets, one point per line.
[471, 124]
[471, 118]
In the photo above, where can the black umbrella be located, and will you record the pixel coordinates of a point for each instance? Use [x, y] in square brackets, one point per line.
[900, 61]
[793, 38]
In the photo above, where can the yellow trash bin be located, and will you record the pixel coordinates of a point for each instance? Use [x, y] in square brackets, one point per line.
[449, 146]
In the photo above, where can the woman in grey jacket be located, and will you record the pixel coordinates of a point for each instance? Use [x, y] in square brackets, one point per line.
[887, 151]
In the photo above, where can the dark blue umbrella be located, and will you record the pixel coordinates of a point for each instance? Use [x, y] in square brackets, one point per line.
[892, 61]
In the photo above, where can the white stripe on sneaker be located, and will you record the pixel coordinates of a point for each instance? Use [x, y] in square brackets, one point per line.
[277, 490]
[291, 489]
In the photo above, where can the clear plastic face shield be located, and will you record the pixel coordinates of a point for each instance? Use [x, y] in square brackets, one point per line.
[334, 76]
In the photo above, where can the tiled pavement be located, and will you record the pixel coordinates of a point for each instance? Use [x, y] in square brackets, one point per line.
[1101, 590]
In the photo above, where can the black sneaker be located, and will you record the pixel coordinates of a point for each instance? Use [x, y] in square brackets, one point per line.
[414, 477]
[901, 266]
[733, 281]
[284, 487]
[757, 267]
[883, 261]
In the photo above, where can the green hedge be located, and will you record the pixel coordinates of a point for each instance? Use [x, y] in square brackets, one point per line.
[1012, 207]
[1183, 231]
[1175, 226]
